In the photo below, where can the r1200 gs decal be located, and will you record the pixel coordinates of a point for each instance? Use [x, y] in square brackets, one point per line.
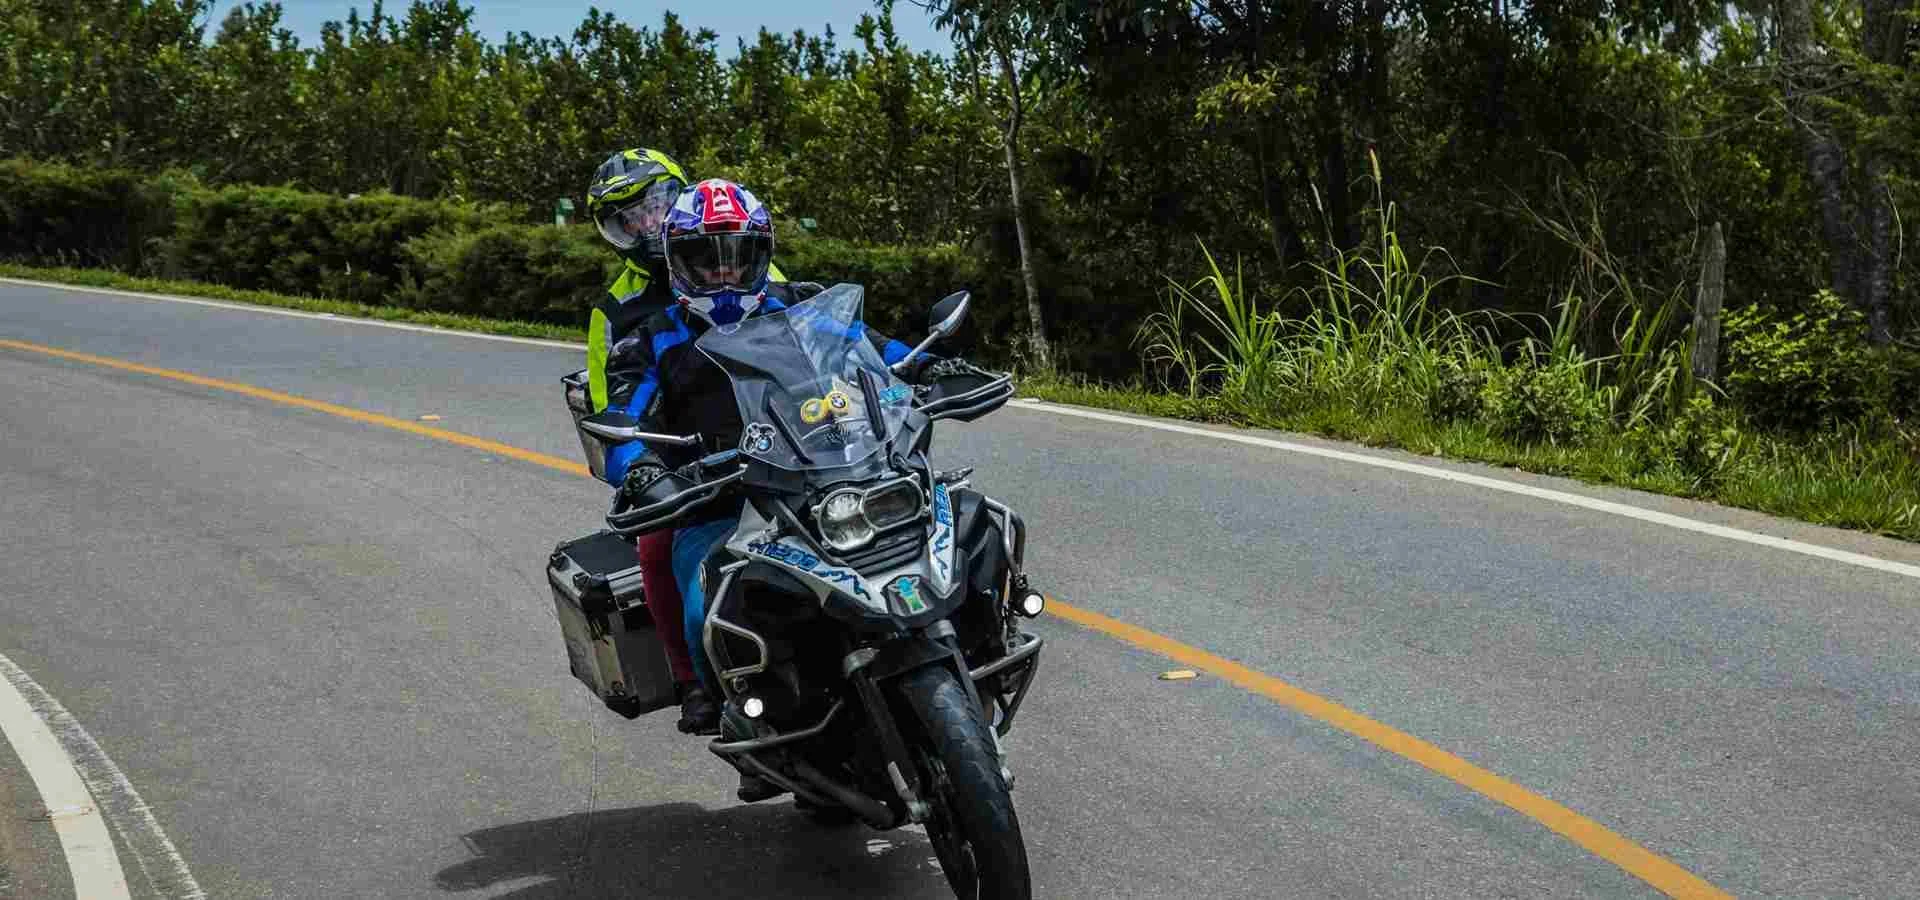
[799, 559]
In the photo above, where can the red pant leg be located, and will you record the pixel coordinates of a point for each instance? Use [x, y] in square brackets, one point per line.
[663, 599]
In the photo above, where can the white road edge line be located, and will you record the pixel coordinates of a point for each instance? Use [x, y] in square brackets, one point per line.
[72, 772]
[297, 314]
[1552, 496]
[1494, 484]
[82, 830]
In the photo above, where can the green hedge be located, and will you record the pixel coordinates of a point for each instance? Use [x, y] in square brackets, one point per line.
[539, 273]
[429, 255]
[294, 242]
[63, 215]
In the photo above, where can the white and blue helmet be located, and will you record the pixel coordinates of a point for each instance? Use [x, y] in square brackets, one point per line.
[719, 245]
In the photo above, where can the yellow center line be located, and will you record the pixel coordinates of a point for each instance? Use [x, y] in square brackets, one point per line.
[345, 412]
[1655, 870]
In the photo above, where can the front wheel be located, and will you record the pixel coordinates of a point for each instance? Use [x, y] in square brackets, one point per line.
[975, 833]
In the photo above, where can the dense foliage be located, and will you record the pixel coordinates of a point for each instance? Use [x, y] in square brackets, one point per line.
[1567, 156]
[439, 256]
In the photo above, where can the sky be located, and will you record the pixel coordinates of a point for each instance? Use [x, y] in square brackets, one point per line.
[731, 19]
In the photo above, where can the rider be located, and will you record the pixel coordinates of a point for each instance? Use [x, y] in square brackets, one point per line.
[719, 242]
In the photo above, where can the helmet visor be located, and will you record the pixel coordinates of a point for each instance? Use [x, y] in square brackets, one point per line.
[711, 264]
[639, 222]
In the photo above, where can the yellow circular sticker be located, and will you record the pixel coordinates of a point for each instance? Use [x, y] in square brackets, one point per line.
[813, 411]
[839, 402]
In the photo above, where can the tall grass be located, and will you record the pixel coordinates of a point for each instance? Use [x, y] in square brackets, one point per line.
[1598, 384]
[1371, 331]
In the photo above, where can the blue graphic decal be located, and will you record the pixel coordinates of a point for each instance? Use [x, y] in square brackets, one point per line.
[942, 535]
[797, 558]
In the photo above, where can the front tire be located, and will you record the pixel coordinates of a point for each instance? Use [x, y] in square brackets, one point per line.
[974, 829]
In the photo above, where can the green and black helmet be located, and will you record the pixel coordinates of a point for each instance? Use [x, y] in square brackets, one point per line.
[631, 192]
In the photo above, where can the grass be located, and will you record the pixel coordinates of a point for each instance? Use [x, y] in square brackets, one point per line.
[1370, 357]
[1843, 480]
[109, 279]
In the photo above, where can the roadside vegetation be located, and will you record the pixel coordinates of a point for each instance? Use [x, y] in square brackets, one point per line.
[1812, 421]
[1226, 211]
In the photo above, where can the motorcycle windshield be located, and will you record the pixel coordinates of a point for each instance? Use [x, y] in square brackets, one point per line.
[804, 379]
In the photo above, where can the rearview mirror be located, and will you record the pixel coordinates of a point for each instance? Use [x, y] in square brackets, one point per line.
[942, 322]
[618, 426]
[948, 314]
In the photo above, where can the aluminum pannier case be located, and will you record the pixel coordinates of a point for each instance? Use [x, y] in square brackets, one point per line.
[612, 646]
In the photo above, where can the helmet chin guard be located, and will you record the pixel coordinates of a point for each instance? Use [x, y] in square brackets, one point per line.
[724, 309]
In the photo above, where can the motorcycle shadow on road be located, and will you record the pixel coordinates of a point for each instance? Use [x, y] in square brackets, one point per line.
[685, 850]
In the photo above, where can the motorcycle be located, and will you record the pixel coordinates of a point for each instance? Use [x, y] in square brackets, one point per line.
[864, 617]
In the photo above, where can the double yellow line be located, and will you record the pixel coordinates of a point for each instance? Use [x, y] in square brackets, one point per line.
[1597, 839]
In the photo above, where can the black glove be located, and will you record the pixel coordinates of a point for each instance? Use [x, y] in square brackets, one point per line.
[641, 475]
[928, 370]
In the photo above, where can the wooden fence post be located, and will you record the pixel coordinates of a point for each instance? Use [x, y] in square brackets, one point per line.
[1706, 306]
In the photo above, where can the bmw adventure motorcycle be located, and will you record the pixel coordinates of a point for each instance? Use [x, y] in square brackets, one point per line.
[864, 618]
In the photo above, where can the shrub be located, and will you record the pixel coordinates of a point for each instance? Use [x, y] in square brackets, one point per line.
[1805, 371]
[444, 256]
[1552, 402]
[1459, 388]
[1702, 441]
[1903, 385]
[66, 215]
[538, 273]
[296, 242]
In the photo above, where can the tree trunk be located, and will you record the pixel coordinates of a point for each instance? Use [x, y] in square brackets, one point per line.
[1885, 27]
[1037, 345]
[1706, 307]
[1876, 270]
[1826, 159]
[1278, 222]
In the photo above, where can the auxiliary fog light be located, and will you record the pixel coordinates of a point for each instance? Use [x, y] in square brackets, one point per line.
[754, 707]
[1032, 604]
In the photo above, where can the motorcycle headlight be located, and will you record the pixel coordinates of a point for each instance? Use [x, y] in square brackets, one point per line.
[842, 524]
[891, 505]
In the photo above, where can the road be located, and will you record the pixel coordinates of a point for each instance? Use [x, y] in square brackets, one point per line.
[324, 653]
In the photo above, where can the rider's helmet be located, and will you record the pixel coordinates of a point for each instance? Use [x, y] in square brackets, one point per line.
[629, 196]
[719, 242]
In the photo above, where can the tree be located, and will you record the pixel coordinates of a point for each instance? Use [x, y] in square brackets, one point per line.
[989, 33]
[1839, 92]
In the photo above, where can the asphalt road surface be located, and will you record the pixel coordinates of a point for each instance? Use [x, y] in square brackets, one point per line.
[324, 653]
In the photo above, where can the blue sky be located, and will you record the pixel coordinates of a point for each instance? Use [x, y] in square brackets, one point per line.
[731, 19]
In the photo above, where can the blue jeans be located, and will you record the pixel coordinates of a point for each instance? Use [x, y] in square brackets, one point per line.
[691, 547]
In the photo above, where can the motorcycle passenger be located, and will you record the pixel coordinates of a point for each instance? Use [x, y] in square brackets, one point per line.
[719, 244]
[628, 199]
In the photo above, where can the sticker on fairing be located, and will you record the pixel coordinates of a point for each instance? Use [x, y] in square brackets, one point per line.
[907, 588]
[758, 438]
[940, 551]
[895, 394]
[796, 558]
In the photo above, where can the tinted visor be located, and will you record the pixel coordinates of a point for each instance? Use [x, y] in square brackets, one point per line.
[639, 222]
[711, 264]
